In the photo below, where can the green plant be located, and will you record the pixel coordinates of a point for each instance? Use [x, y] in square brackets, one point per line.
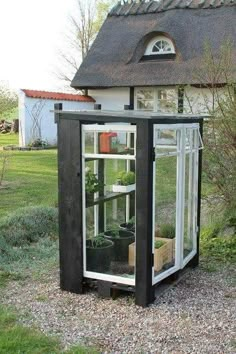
[38, 143]
[92, 184]
[159, 244]
[114, 233]
[167, 231]
[131, 221]
[98, 241]
[126, 178]
[15, 338]
[29, 225]
[214, 247]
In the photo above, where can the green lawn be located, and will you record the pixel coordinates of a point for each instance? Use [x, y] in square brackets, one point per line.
[30, 178]
[15, 338]
[9, 139]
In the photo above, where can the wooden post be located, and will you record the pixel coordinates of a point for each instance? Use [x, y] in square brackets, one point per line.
[144, 293]
[70, 204]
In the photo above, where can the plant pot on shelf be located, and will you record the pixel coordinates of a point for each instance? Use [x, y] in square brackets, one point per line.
[117, 188]
[128, 227]
[99, 256]
[125, 182]
[121, 239]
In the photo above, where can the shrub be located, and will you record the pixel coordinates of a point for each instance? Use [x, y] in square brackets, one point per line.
[167, 231]
[38, 143]
[28, 225]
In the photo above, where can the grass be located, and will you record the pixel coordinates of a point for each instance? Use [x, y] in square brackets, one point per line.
[15, 338]
[9, 139]
[31, 178]
[6, 277]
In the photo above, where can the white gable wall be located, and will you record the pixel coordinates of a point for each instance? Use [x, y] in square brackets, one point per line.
[48, 127]
[112, 99]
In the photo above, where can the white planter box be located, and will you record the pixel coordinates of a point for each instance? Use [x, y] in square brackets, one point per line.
[123, 189]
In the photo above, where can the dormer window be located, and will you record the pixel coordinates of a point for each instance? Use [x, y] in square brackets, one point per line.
[160, 47]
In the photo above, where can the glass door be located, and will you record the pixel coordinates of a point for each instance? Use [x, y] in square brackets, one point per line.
[108, 157]
[175, 181]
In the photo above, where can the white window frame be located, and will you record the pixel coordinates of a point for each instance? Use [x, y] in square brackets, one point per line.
[151, 44]
[126, 128]
[155, 99]
[181, 152]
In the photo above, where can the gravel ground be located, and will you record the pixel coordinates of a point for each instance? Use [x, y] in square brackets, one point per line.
[198, 315]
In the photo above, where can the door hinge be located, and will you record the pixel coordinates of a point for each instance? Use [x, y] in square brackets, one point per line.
[153, 154]
[152, 259]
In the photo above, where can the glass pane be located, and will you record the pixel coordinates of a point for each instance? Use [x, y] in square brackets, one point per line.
[167, 100]
[189, 205]
[145, 105]
[89, 142]
[166, 137]
[165, 214]
[145, 94]
[110, 209]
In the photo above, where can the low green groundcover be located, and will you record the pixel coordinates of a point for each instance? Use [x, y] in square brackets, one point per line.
[15, 338]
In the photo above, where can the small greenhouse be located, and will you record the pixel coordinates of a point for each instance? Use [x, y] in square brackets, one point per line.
[129, 199]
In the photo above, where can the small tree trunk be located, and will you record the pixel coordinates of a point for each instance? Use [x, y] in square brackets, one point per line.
[15, 126]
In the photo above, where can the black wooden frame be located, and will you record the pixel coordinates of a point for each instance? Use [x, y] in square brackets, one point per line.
[70, 197]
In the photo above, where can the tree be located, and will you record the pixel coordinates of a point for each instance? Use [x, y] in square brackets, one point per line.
[219, 165]
[8, 100]
[83, 29]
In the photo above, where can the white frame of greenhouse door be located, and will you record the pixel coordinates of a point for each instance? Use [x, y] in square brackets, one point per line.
[126, 128]
[181, 153]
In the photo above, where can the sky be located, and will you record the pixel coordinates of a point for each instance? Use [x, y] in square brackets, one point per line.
[31, 34]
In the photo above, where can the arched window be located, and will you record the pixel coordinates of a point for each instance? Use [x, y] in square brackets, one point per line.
[160, 45]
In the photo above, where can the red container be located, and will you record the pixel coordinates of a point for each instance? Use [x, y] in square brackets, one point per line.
[108, 143]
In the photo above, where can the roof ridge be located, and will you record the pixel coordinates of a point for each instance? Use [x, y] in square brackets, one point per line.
[139, 7]
[59, 92]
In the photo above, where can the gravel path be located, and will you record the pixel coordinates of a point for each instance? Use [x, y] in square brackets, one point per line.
[196, 316]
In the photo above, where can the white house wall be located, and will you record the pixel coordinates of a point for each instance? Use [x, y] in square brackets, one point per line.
[200, 100]
[196, 100]
[48, 127]
[111, 99]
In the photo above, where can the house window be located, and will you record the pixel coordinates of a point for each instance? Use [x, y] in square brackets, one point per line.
[159, 46]
[145, 99]
[161, 100]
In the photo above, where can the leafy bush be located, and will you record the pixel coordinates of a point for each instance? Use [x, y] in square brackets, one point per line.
[167, 231]
[38, 143]
[126, 178]
[215, 247]
[28, 225]
[28, 239]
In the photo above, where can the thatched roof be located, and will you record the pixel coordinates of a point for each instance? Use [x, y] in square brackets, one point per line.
[115, 58]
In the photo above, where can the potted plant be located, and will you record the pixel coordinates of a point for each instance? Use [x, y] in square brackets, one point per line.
[92, 185]
[99, 253]
[130, 225]
[125, 182]
[121, 239]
